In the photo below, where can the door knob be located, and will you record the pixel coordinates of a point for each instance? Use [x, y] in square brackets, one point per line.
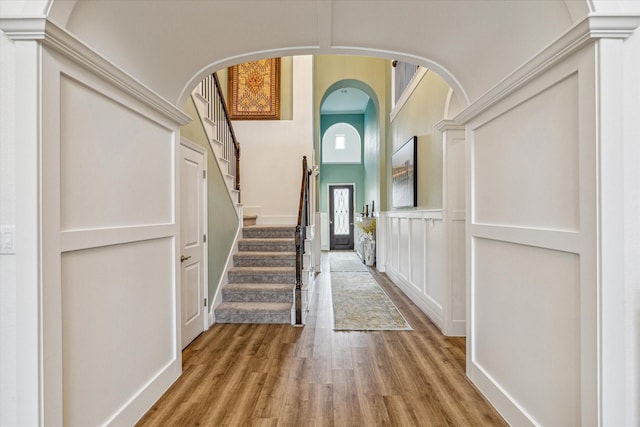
[184, 258]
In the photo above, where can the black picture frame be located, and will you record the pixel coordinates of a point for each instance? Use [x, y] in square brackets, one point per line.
[404, 176]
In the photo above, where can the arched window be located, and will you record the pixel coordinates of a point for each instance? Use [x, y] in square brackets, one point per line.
[341, 143]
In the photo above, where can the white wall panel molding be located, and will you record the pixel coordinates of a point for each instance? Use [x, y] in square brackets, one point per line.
[107, 186]
[434, 214]
[448, 125]
[51, 35]
[74, 240]
[425, 302]
[423, 251]
[454, 216]
[531, 196]
[113, 297]
[410, 250]
[581, 34]
[565, 241]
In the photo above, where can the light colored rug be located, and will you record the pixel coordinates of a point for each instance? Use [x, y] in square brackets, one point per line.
[346, 261]
[360, 304]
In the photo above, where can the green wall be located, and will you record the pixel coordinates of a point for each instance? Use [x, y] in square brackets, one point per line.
[223, 220]
[371, 75]
[342, 174]
[371, 157]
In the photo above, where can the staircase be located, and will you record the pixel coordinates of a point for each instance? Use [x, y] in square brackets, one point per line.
[261, 282]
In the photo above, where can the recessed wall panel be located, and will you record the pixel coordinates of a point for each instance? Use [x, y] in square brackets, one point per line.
[458, 271]
[434, 283]
[526, 320]
[418, 257]
[118, 325]
[116, 166]
[395, 242]
[405, 239]
[526, 162]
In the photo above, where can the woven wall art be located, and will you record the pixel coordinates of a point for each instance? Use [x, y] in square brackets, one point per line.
[254, 90]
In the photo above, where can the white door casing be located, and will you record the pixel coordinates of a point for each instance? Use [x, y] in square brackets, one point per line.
[192, 229]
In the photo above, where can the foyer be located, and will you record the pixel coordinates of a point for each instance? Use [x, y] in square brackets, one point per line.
[276, 375]
[542, 114]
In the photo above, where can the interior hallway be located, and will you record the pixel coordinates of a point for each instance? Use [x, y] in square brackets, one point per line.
[278, 375]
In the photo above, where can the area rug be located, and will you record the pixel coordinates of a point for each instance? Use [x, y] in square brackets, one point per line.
[346, 261]
[360, 304]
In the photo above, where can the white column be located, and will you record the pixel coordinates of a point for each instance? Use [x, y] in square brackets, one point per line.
[453, 214]
[29, 405]
[612, 327]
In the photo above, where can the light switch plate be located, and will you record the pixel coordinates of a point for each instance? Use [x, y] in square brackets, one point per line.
[7, 239]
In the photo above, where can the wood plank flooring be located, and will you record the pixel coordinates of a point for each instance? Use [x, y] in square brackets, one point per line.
[278, 375]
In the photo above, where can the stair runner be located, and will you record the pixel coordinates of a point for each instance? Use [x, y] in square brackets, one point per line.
[262, 279]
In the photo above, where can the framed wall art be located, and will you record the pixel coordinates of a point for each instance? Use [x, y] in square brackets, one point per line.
[404, 175]
[253, 90]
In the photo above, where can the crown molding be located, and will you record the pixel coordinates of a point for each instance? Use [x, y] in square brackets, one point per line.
[448, 125]
[52, 36]
[589, 30]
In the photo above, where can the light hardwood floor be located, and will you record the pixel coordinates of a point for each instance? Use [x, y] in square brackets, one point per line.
[279, 375]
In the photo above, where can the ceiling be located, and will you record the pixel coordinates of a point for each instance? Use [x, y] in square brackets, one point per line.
[171, 45]
[346, 100]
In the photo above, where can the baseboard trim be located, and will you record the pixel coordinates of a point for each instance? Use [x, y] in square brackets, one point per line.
[424, 302]
[147, 396]
[513, 413]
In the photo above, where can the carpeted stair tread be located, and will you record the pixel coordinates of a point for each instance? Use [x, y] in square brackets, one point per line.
[254, 312]
[263, 269]
[261, 286]
[266, 245]
[267, 239]
[269, 231]
[283, 254]
[258, 292]
[261, 274]
[266, 259]
[258, 307]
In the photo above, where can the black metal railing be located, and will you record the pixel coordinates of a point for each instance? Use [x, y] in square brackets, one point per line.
[301, 235]
[217, 112]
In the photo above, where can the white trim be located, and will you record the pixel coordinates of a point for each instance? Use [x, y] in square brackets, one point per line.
[205, 222]
[73, 240]
[448, 125]
[60, 40]
[584, 32]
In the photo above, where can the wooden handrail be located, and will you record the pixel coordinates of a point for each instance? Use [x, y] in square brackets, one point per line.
[217, 112]
[301, 235]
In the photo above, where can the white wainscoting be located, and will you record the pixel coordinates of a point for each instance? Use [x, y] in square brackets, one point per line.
[110, 307]
[413, 256]
[532, 280]
[424, 251]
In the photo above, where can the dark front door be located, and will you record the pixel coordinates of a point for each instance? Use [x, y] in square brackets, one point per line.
[341, 217]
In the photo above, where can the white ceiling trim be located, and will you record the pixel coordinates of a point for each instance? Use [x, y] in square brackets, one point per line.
[59, 39]
[580, 35]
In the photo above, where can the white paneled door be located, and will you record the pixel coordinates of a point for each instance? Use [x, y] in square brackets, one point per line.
[192, 230]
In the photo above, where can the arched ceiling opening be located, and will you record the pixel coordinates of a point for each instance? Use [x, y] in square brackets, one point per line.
[348, 100]
[170, 45]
